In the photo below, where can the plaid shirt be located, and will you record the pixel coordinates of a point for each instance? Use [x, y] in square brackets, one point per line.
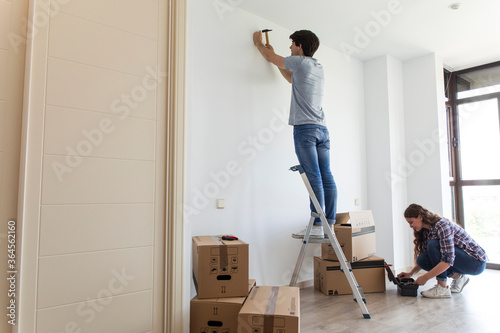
[450, 235]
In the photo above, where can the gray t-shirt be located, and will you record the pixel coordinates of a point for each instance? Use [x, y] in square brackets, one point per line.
[307, 91]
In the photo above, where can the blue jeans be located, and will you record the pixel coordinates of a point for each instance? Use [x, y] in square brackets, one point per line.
[464, 263]
[312, 146]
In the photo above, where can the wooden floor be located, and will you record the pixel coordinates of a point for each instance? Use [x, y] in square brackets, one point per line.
[474, 310]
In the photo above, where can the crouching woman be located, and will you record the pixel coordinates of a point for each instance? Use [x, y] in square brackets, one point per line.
[444, 250]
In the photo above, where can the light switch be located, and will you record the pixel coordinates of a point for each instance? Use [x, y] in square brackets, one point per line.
[221, 203]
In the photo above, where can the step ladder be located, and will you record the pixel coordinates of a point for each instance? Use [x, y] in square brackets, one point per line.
[345, 265]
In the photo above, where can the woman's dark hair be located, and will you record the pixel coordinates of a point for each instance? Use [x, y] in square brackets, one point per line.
[308, 40]
[414, 211]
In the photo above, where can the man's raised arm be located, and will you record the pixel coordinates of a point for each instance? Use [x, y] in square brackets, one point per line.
[268, 53]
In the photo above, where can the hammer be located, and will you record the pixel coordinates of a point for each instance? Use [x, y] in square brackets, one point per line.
[267, 37]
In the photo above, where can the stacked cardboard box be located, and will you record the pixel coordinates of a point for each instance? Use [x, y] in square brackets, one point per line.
[220, 267]
[219, 315]
[227, 301]
[355, 232]
[270, 309]
[330, 280]
[220, 275]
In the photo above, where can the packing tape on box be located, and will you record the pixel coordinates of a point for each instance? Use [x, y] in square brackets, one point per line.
[364, 231]
[270, 309]
[223, 255]
[292, 306]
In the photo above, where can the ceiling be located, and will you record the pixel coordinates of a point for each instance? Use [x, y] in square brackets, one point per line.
[404, 29]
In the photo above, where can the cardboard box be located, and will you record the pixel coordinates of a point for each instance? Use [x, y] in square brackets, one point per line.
[355, 232]
[270, 309]
[369, 274]
[220, 267]
[219, 315]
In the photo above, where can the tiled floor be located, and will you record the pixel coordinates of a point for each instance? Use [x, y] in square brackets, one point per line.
[474, 310]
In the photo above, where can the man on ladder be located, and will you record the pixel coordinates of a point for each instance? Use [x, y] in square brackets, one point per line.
[311, 137]
[312, 144]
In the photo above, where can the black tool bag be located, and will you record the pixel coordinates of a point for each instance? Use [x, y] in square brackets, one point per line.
[405, 286]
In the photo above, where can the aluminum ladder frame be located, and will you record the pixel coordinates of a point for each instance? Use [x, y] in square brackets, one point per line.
[345, 265]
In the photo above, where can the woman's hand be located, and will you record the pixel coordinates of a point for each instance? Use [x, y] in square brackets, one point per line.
[404, 275]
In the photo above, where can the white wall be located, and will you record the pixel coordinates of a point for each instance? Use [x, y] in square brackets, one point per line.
[406, 147]
[426, 162]
[401, 233]
[239, 146]
[385, 146]
[239, 149]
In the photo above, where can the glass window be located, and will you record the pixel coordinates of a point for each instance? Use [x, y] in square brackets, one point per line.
[474, 146]
[482, 217]
[479, 139]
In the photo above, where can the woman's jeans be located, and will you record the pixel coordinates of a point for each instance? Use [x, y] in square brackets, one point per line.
[464, 264]
[312, 146]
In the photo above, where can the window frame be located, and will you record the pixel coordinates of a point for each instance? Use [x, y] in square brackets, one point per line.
[456, 182]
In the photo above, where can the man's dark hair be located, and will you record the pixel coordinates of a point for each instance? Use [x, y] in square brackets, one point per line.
[308, 40]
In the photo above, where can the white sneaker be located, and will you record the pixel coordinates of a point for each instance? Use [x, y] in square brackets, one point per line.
[437, 292]
[457, 285]
[316, 232]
